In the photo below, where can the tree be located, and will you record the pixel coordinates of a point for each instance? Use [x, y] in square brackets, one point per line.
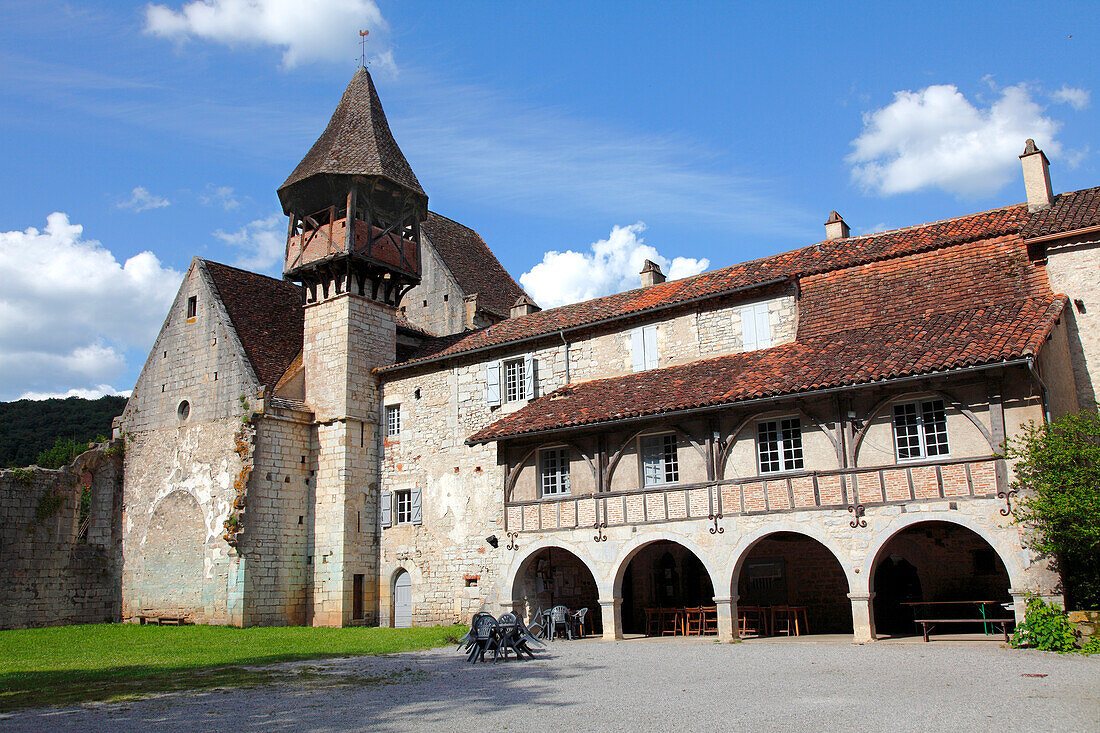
[1058, 480]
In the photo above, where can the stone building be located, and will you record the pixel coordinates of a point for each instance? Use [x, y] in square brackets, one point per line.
[396, 434]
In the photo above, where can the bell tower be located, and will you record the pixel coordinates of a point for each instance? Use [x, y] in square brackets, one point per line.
[353, 242]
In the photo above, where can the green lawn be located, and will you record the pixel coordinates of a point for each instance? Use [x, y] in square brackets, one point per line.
[72, 664]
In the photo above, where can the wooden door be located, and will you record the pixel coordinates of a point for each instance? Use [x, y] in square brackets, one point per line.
[402, 601]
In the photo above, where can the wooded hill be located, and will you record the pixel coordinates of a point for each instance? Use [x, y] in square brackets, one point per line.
[29, 427]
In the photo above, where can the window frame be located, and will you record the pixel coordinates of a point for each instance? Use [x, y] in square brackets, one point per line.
[520, 380]
[644, 354]
[192, 306]
[922, 429]
[789, 449]
[669, 458]
[402, 496]
[563, 475]
[393, 426]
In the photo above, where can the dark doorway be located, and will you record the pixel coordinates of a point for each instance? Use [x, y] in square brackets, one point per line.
[663, 574]
[556, 577]
[357, 597]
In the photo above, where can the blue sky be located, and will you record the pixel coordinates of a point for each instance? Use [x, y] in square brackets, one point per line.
[576, 138]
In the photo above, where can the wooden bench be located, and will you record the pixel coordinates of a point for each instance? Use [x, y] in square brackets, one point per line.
[927, 624]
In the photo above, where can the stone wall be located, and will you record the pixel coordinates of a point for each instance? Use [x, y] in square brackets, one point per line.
[436, 304]
[54, 573]
[1072, 268]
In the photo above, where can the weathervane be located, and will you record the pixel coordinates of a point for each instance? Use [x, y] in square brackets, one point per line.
[363, 44]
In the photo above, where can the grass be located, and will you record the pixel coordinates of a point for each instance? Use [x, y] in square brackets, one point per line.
[99, 662]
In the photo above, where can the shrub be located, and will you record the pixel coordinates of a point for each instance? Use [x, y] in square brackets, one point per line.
[1045, 627]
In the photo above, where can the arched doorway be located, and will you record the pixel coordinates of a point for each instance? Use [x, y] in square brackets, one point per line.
[788, 573]
[938, 562]
[173, 552]
[554, 576]
[662, 575]
[402, 600]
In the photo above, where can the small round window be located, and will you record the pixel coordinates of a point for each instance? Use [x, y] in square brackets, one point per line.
[184, 410]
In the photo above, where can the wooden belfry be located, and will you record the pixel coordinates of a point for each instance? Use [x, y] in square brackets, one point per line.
[355, 206]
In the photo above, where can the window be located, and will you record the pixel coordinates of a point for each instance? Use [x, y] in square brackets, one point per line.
[659, 462]
[554, 471]
[518, 377]
[393, 420]
[756, 329]
[779, 445]
[644, 348]
[402, 507]
[920, 429]
[192, 306]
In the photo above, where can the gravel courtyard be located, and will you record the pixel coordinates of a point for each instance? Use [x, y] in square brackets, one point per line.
[652, 684]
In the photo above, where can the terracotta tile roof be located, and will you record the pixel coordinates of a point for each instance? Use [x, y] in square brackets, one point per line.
[267, 315]
[357, 141]
[821, 257]
[970, 337]
[1070, 211]
[473, 264]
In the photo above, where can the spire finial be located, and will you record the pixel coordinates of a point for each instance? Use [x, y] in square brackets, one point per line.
[363, 45]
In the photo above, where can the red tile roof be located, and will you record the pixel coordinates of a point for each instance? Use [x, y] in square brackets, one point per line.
[817, 258]
[266, 314]
[473, 264]
[969, 337]
[1070, 211]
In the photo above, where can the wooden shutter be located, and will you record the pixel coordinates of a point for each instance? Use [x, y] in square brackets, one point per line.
[763, 326]
[492, 384]
[387, 509]
[649, 336]
[748, 329]
[652, 461]
[417, 512]
[638, 349]
[528, 377]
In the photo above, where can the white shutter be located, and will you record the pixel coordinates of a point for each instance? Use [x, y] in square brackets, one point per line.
[417, 512]
[649, 336]
[763, 326]
[638, 349]
[748, 329]
[528, 377]
[387, 509]
[492, 384]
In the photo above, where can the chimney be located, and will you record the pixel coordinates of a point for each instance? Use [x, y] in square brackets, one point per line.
[523, 306]
[836, 228]
[651, 274]
[470, 301]
[1036, 177]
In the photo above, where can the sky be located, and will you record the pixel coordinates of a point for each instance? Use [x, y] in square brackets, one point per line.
[578, 138]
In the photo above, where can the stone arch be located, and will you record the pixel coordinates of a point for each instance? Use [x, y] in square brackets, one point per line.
[630, 550]
[661, 570]
[1016, 573]
[526, 553]
[173, 556]
[811, 571]
[551, 575]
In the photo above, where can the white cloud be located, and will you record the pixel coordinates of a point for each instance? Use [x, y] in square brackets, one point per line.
[69, 310]
[223, 196]
[1073, 96]
[936, 138]
[141, 200]
[260, 243]
[92, 393]
[318, 30]
[611, 265]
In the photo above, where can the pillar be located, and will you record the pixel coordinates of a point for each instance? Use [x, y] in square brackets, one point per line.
[611, 612]
[727, 618]
[863, 617]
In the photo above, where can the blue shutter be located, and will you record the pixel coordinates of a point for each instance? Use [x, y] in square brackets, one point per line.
[748, 329]
[763, 326]
[492, 384]
[387, 509]
[528, 377]
[649, 336]
[638, 349]
[417, 512]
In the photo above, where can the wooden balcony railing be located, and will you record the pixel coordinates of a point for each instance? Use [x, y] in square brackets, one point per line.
[808, 490]
[315, 244]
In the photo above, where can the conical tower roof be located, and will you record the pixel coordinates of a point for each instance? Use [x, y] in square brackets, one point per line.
[357, 142]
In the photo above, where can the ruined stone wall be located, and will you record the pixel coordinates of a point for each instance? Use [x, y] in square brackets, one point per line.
[1072, 269]
[53, 573]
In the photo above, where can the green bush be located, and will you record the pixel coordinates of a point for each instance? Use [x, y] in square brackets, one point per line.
[1045, 627]
[1092, 646]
